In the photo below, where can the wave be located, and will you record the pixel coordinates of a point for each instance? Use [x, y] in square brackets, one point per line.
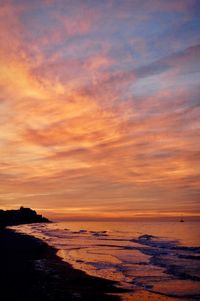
[144, 261]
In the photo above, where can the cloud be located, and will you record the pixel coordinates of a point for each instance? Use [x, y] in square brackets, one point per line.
[74, 132]
[186, 59]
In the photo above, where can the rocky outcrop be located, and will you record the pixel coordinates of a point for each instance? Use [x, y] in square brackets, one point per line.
[20, 216]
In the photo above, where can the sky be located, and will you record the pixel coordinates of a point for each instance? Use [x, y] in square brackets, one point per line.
[100, 108]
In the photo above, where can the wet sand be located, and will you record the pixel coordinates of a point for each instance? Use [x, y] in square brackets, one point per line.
[30, 270]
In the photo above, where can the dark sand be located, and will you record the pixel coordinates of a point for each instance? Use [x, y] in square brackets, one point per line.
[30, 270]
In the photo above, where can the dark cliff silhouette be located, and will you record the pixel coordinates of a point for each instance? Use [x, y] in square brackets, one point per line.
[20, 216]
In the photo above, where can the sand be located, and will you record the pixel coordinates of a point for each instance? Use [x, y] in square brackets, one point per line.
[30, 270]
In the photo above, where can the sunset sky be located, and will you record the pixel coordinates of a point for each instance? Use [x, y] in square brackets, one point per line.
[100, 108]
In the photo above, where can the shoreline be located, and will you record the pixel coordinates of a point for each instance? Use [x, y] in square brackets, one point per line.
[31, 270]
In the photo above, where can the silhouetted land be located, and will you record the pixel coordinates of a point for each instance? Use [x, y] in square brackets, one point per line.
[31, 271]
[21, 216]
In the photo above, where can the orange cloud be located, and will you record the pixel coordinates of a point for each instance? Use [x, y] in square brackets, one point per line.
[75, 135]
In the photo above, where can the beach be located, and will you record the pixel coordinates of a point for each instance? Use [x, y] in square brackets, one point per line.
[147, 260]
[30, 270]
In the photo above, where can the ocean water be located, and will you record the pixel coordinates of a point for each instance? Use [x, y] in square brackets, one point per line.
[153, 260]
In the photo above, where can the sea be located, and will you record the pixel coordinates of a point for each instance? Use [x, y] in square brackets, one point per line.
[152, 260]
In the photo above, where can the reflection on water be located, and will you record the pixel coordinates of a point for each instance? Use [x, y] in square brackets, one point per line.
[156, 260]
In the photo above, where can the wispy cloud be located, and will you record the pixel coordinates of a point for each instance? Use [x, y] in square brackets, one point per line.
[90, 113]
